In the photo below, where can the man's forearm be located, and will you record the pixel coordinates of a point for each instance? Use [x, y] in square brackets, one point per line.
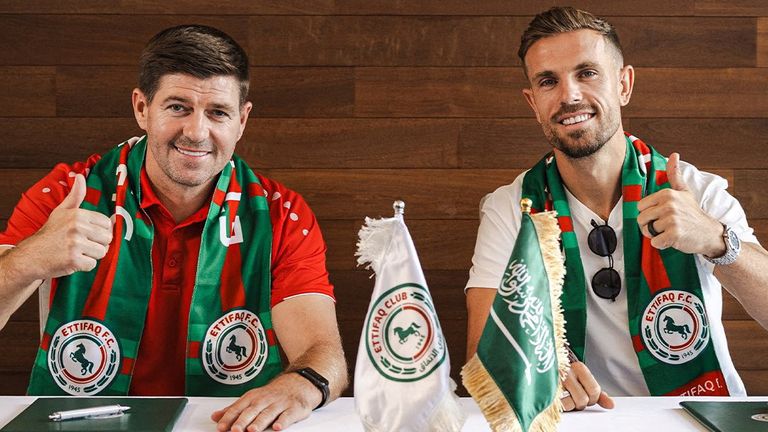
[327, 358]
[16, 282]
[747, 280]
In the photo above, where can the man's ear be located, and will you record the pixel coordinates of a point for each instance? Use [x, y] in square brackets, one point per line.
[245, 110]
[140, 108]
[528, 93]
[626, 84]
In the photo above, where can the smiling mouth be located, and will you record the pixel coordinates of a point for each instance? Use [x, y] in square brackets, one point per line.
[191, 152]
[576, 119]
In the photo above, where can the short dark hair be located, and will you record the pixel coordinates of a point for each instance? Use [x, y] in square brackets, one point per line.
[564, 19]
[196, 50]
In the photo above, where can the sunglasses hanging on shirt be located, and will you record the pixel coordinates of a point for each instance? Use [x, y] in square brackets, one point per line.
[606, 283]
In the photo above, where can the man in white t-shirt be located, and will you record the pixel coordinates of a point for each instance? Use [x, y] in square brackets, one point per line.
[648, 241]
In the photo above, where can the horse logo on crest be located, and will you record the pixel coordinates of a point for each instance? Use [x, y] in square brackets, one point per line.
[403, 336]
[235, 347]
[83, 357]
[674, 326]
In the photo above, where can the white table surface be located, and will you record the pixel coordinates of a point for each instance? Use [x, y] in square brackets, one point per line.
[641, 414]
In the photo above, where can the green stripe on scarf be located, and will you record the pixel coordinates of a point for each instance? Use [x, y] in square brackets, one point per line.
[96, 321]
[676, 356]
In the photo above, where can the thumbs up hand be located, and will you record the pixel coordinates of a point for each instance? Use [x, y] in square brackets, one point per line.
[673, 218]
[71, 240]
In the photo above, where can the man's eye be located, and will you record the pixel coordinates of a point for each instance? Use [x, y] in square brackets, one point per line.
[546, 83]
[176, 108]
[220, 114]
[588, 74]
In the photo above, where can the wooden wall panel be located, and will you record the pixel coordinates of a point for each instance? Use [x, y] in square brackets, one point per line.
[710, 93]
[348, 7]
[740, 142]
[442, 244]
[28, 91]
[43, 142]
[357, 104]
[762, 42]
[750, 190]
[69, 39]
[731, 8]
[355, 143]
[342, 194]
[386, 41]
[439, 92]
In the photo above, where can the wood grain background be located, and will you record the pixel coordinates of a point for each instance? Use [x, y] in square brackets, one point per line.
[361, 102]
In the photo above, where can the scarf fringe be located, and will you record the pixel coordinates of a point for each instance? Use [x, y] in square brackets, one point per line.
[448, 415]
[373, 241]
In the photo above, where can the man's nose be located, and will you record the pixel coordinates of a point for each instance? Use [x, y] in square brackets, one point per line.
[570, 92]
[197, 127]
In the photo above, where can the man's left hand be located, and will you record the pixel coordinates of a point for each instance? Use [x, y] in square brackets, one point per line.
[678, 219]
[284, 401]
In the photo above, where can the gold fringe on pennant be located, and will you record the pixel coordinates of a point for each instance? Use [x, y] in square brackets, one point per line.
[494, 406]
[548, 232]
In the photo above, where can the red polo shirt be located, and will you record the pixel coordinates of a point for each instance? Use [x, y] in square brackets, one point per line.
[298, 265]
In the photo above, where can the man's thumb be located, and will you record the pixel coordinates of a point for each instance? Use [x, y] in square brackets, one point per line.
[76, 194]
[673, 173]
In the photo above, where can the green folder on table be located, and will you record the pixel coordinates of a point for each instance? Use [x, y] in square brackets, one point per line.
[730, 416]
[145, 415]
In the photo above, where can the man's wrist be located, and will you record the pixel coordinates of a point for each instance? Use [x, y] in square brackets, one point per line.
[318, 381]
[15, 268]
[718, 247]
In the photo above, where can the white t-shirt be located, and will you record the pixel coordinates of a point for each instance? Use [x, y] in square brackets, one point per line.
[608, 350]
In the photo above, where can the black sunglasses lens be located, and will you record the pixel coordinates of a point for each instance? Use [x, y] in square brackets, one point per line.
[602, 240]
[606, 283]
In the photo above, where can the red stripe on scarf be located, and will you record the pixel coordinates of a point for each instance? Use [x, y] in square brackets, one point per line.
[661, 177]
[232, 289]
[98, 297]
[46, 342]
[127, 367]
[708, 384]
[92, 196]
[54, 286]
[271, 339]
[194, 350]
[632, 193]
[638, 144]
[653, 267]
[218, 197]
[565, 222]
[637, 343]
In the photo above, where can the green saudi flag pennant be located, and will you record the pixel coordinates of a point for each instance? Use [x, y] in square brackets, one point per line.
[515, 375]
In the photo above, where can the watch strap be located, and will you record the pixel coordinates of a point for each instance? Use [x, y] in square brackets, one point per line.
[732, 248]
[318, 381]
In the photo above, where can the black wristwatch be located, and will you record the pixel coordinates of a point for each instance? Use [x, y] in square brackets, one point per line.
[318, 381]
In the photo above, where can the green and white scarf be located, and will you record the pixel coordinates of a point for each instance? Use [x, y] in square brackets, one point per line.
[96, 321]
[667, 319]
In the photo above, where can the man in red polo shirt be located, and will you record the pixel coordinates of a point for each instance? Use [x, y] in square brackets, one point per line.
[173, 268]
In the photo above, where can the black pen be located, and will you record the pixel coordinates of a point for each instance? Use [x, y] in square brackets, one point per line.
[89, 413]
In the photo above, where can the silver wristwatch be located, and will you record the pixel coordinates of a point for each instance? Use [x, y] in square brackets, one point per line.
[732, 248]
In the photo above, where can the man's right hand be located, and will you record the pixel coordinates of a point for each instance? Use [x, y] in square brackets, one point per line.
[583, 390]
[72, 239]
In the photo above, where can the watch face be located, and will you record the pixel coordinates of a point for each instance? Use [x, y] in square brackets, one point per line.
[733, 239]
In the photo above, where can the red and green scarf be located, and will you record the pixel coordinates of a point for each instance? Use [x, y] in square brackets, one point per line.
[667, 319]
[96, 321]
